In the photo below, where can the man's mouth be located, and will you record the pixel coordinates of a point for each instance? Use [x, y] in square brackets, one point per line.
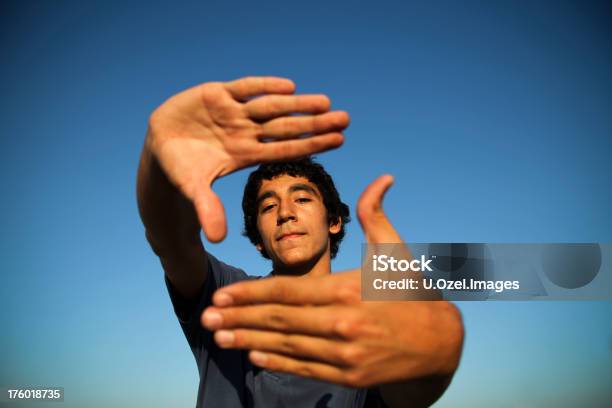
[290, 235]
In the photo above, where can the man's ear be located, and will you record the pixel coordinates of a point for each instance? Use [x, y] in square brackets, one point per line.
[259, 247]
[335, 228]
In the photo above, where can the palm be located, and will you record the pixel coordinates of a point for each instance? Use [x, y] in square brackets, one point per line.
[214, 129]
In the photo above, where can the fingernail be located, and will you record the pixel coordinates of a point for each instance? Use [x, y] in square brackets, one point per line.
[224, 338]
[258, 358]
[222, 299]
[212, 320]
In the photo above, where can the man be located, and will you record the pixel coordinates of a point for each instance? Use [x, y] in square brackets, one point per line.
[308, 340]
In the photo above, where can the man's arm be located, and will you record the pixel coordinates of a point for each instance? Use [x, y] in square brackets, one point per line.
[207, 132]
[418, 393]
[172, 228]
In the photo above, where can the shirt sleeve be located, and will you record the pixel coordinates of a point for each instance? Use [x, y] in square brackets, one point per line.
[189, 312]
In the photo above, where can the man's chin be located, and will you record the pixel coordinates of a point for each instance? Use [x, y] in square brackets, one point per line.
[294, 266]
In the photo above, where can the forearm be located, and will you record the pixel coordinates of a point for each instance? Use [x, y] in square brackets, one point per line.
[170, 221]
[422, 392]
[427, 388]
[172, 227]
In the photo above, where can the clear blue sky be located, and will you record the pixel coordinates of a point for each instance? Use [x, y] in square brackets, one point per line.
[494, 117]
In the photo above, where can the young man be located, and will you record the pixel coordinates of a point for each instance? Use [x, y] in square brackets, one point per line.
[311, 324]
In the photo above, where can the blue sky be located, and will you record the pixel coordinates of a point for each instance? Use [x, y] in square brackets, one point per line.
[494, 117]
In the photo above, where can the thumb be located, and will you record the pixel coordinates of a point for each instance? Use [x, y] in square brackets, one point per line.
[211, 214]
[369, 204]
[375, 224]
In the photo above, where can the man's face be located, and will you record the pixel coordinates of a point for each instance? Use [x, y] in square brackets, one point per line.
[292, 221]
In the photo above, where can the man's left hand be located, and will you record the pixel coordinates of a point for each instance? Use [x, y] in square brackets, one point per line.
[319, 328]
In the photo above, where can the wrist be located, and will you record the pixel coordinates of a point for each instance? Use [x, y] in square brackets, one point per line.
[170, 247]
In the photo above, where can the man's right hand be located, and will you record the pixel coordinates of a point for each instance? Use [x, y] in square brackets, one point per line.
[215, 128]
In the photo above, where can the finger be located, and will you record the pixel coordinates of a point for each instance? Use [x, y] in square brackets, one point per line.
[340, 288]
[294, 345]
[244, 88]
[310, 369]
[317, 321]
[211, 214]
[372, 197]
[272, 106]
[294, 126]
[293, 149]
[374, 222]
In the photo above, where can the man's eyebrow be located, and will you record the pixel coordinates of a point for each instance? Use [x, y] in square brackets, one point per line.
[265, 195]
[292, 189]
[303, 187]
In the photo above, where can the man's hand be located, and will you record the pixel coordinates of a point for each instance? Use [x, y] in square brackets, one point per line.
[213, 129]
[318, 327]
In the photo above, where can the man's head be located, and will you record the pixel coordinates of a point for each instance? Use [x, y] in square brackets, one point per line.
[293, 212]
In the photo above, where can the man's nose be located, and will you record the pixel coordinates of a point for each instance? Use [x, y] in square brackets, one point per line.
[285, 212]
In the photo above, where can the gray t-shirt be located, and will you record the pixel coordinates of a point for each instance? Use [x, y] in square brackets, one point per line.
[227, 377]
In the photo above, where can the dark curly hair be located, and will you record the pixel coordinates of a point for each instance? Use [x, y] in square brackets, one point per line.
[309, 169]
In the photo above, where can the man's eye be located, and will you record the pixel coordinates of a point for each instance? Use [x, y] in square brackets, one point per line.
[303, 200]
[267, 208]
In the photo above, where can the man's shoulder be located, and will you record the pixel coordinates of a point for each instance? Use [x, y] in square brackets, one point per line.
[226, 274]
